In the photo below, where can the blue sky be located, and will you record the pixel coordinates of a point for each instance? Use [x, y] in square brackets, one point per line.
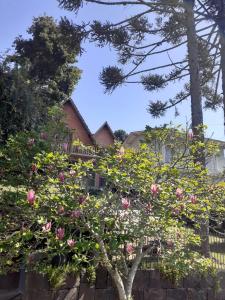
[126, 107]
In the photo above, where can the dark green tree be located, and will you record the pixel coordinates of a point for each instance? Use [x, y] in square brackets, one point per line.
[120, 135]
[40, 73]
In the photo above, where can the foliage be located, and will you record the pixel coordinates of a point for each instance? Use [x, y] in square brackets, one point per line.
[120, 135]
[180, 260]
[159, 28]
[17, 155]
[39, 74]
[54, 221]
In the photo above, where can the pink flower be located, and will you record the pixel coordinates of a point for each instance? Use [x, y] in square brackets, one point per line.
[190, 135]
[61, 209]
[129, 248]
[43, 135]
[72, 172]
[193, 199]
[179, 193]
[61, 177]
[76, 214]
[34, 168]
[154, 189]
[60, 232]
[31, 197]
[30, 142]
[47, 227]
[125, 203]
[71, 243]
[65, 147]
[81, 200]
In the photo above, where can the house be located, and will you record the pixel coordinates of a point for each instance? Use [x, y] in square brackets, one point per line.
[215, 164]
[103, 137]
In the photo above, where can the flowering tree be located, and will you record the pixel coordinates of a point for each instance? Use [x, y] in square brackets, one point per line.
[57, 224]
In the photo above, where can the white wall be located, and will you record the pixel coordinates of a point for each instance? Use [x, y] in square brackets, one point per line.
[216, 164]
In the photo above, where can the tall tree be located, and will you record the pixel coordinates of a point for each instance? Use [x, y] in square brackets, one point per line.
[39, 74]
[196, 101]
[214, 11]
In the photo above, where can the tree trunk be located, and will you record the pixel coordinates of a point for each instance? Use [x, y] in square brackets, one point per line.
[132, 273]
[196, 102]
[221, 25]
[119, 284]
[222, 54]
[112, 271]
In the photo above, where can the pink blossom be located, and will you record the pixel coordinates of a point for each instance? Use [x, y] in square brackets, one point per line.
[125, 203]
[81, 200]
[43, 135]
[129, 248]
[34, 168]
[179, 193]
[47, 227]
[30, 142]
[31, 197]
[76, 214]
[154, 189]
[65, 147]
[61, 209]
[72, 172]
[60, 232]
[193, 199]
[71, 243]
[190, 135]
[61, 176]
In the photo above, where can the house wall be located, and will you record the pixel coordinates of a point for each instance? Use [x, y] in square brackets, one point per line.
[74, 123]
[104, 138]
[216, 164]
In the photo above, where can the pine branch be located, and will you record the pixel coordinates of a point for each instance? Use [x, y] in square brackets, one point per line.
[133, 18]
[157, 68]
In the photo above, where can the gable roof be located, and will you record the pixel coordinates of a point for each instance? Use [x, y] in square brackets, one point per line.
[104, 135]
[76, 111]
[138, 135]
[105, 125]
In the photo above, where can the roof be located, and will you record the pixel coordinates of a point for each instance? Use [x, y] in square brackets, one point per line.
[70, 101]
[102, 127]
[137, 134]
